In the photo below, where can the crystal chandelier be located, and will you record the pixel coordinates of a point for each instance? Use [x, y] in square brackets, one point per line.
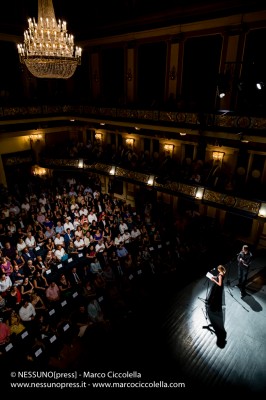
[48, 50]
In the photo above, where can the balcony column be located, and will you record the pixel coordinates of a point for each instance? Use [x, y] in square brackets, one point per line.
[173, 70]
[95, 75]
[231, 65]
[84, 135]
[130, 73]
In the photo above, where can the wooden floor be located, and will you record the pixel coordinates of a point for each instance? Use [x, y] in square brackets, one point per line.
[205, 360]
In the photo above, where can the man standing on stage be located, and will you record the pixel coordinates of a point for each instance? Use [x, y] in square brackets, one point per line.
[243, 261]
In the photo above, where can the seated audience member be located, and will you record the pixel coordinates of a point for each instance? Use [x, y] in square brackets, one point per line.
[48, 223]
[68, 236]
[64, 286]
[135, 234]
[15, 324]
[95, 267]
[91, 253]
[4, 306]
[14, 298]
[85, 227]
[127, 239]
[40, 283]
[17, 275]
[59, 228]
[100, 247]
[71, 250]
[87, 240]
[28, 254]
[29, 269]
[74, 278]
[41, 240]
[88, 291]
[79, 244]
[4, 334]
[95, 312]
[5, 284]
[79, 232]
[50, 259]
[68, 225]
[52, 293]
[21, 245]
[59, 239]
[37, 302]
[18, 260]
[119, 240]
[27, 314]
[122, 253]
[40, 264]
[109, 245]
[26, 287]
[30, 241]
[60, 254]
[98, 235]
[9, 251]
[6, 266]
[50, 246]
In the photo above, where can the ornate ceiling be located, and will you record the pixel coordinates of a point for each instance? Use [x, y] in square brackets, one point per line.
[87, 19]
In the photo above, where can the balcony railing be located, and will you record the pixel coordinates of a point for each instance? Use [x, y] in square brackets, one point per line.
[225, 121]
[207, 195]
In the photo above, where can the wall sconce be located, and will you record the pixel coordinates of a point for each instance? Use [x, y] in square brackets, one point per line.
[223, 84]
[243, 139]
[151, 180]
[35, 138]
[38, 171]
[98, 136]
[112, 170]
[129, 75]
[199, 193]
[130, 142]
[172, 73]
[217, 155]
[222, 95]
[169, 148]
[262, 210]
[81, 163]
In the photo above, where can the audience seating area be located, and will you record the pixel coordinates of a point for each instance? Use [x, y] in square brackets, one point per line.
[73, 258]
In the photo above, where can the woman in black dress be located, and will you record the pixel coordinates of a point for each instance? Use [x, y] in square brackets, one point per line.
[215, 299]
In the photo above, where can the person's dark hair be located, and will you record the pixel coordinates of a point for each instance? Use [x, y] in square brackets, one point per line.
[25, 300]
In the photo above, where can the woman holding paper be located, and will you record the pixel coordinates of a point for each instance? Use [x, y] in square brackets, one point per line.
[216, 292]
